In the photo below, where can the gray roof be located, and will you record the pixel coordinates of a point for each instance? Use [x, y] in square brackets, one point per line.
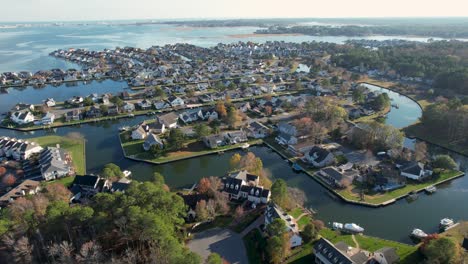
[390, 254]
[330, 252]
[320, 152]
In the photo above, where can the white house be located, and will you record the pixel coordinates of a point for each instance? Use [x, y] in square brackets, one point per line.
[55, 163]
[273, 212]
[175, 101]
[50, 102]
[48, 118]
[22, 117]
[415, 171]
[161, 105]
[319, 157]
[139, 133]
[152, 140]
[169, 120]
[286, 139]
[128, 107]
[244, 186]
[17, 149]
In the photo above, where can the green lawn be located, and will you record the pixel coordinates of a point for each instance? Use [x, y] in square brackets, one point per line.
[381, 198]
[303, 221]
[194, 148]
[254, 245]
[75, 146]
[296, 212]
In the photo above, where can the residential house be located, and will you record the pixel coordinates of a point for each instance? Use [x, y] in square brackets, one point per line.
[76, 100]
[50, 102]
[214, 141]
[319, 157]
[235, 137]
[55, 163]
[244, 186]
[152, 140]
[191, 200]
[139, 133]
[87, 186]
[257, 130]
[18, 149]
[190, 116]
[144, 104]
[286, 139]
[161, 105]
[287, 128]
[48, 118]
[175, 101]
[22, 107]
[169, 120]
[415, 171]
[209, 114]
[336, 177]
[273, 211]
[105, 99]
[22, 117]
[113, 110]
[341, 253]
[27, 187]
[119, 186]
[73, 115]
[93, 112]
[386, 255]
[128, 107]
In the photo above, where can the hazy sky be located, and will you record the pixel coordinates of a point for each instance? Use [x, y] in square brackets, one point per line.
[65, 10]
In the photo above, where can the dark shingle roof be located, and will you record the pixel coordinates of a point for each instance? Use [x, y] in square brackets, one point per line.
[330, 252]
[86, 180]
[320, 152]
[390, 254]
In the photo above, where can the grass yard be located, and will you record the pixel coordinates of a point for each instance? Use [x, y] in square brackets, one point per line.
[384, 197]
[296, 212]
[75, 146]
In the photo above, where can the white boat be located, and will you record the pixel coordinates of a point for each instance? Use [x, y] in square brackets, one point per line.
[245, 146]
[418, 233]
[127, 173]
[446, 222]
[337, 226]
[431, 189]
[353, 228]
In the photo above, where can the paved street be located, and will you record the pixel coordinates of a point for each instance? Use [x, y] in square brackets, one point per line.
[225, 242]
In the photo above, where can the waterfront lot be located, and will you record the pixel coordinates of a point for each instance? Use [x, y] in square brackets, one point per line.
[225, 242]
[74, 145]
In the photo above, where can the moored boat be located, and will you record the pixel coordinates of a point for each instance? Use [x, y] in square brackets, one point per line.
[446, 222]
[337, 226]
[354, 228]
[418, 233]
[430, 189]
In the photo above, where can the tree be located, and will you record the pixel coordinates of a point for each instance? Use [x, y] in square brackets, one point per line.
[201, 211]
[156, 150]
[233, 117]
[239, 213]
[381, 101]
[117, 101]
[279, 193]
[309, 233]
[202, 130]
[444, 162]
[420, 151]
[204, 185]
[268, 110]
[358, 95]
[159, 92]
[220, 108]
[355, 76]
[277, 227]
[111, 170]
[87, 101]
[104, 108]
[214, 258]
[57, 191]
[2, 171]
[9, 180]
[176, 139]
[278, 248]
[442, 250]
[235, 161]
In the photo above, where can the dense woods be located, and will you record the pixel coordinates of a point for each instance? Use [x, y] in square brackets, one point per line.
[142, 225]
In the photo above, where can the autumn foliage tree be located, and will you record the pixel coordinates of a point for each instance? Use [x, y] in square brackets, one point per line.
[221, 109]
[9, 180]
[2, 171]
[204, 185]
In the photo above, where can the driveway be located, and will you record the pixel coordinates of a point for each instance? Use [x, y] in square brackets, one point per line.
[226, 243]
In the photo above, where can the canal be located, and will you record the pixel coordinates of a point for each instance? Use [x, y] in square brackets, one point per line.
[392, 222]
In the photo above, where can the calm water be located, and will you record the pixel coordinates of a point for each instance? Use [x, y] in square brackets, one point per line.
[33, 95]
[27, 49]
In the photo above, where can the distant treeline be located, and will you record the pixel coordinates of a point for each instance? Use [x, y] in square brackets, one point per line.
[427, 30]
[444, 62]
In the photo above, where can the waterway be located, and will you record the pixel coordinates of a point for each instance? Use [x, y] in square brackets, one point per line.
[392, 222]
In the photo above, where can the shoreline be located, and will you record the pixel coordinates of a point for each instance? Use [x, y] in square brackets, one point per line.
[257, 35]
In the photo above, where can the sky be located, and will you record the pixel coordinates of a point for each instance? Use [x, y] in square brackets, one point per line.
[85, 10]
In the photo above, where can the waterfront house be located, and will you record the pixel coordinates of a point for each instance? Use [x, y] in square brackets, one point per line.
[48, 118]
[73, 115]
[257, 130]
[287, 128]
[235, 137]
[337, 177]
[55, 163]
[27, 187]
[415, 171]
[87, 186]
[18, 149]
[140, 132]
[327, 253]
[93, 112]
[272, 212]
[169, 120]
[113, 110]
[214, 141]
[144, 104]
[128, 107]
[319, 157]
[242, 185]
[22, 117]
[50, 102]
[21, 107]
[105, 99]
[286, 139]
[191, 201]
[161, 105]
[76, 100]
[152, 140]
[119, 186]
